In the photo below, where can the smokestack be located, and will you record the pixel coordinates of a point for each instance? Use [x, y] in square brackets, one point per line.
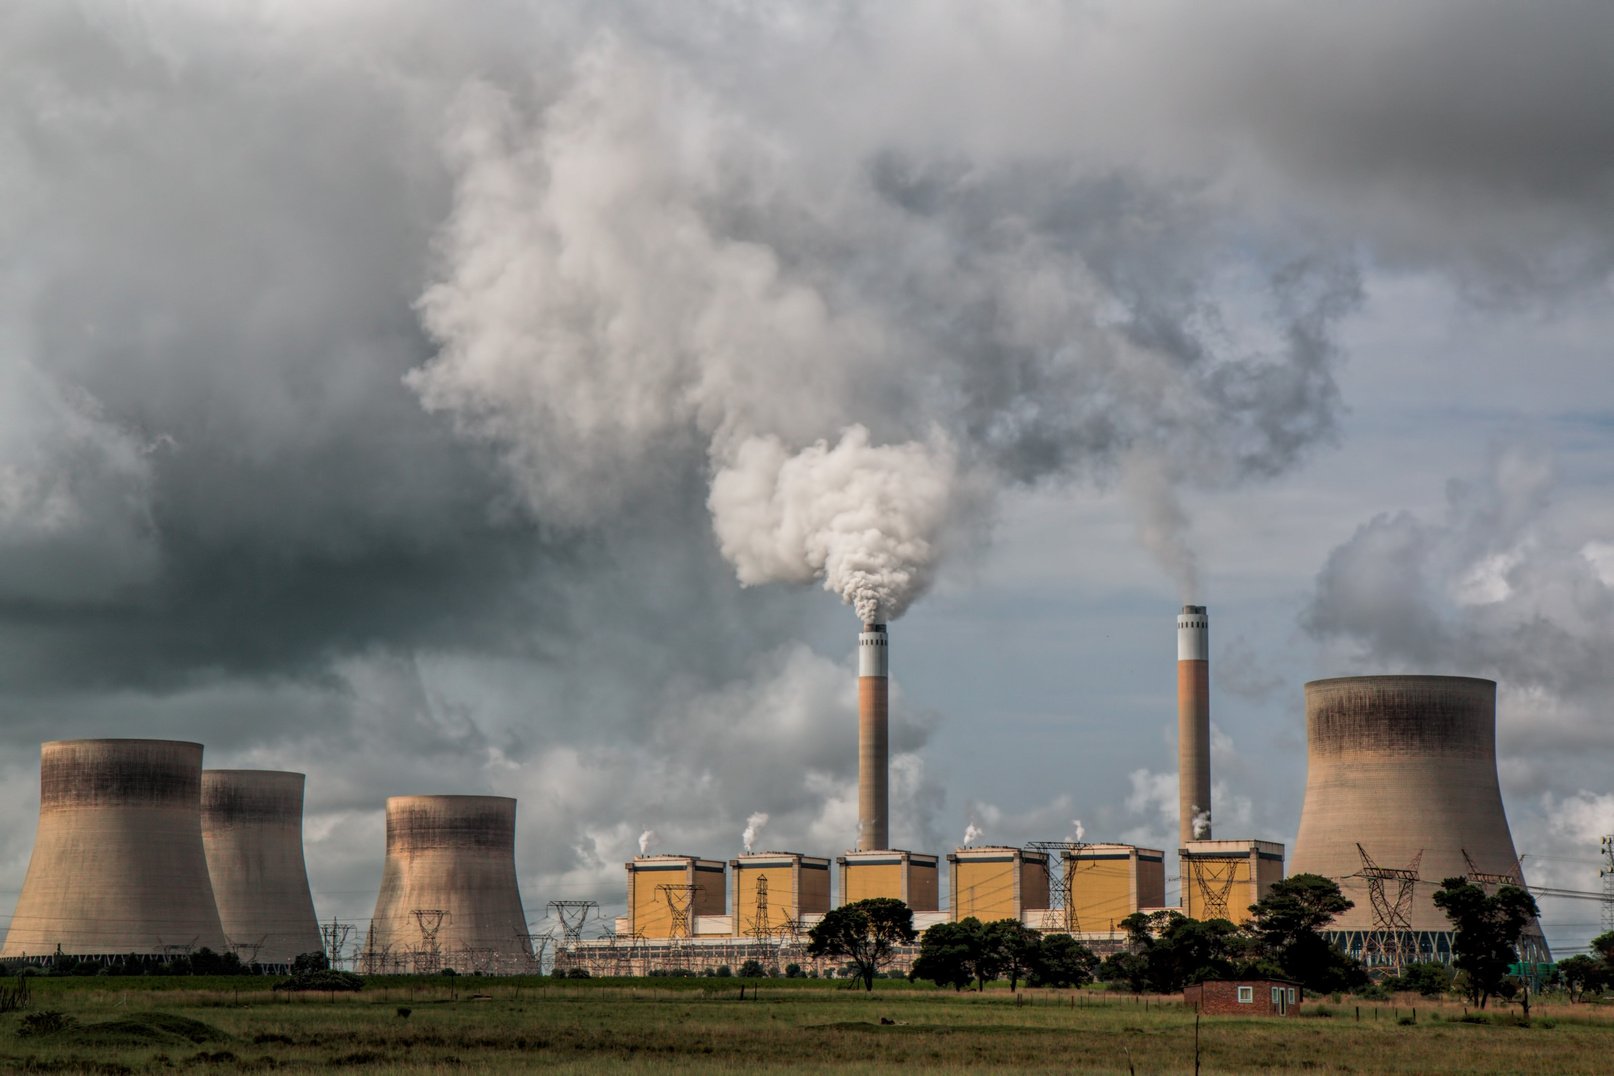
[873, 740]
[252, 830]
[118, 865]
[1193, 724]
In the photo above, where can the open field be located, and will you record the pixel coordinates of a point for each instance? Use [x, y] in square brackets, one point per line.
[701, 1025]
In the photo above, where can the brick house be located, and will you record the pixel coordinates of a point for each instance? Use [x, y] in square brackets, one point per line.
[1245, 997]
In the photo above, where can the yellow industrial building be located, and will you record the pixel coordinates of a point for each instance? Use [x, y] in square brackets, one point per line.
[908, 876]
[1221, 879]
[668, 893]
[997, 882]
[774, 890]
[1108, 882]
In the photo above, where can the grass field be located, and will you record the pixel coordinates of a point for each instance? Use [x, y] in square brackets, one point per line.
[701, 1025]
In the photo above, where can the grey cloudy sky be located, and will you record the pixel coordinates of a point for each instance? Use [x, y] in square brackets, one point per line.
[401, 393]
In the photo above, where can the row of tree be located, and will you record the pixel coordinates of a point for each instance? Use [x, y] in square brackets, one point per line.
[1166, 951]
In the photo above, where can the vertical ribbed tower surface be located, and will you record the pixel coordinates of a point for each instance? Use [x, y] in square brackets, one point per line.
[252, 830]
[118, 865]
[454, 855]
[873, 739]
[1401, 765]
[1193, 725]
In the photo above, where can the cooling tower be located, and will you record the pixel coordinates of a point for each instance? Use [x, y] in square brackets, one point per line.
[252, 830]
[1193, 724]
[1405, 767]
[448, 890]
[117, 866]
[873, 740]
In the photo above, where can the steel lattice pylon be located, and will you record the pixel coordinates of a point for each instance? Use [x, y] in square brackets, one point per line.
[760, 929]
[1213, 880]
[572, 915]
[1607, 874]
[1391, 927]
[1490, 880]
[680, 901]
[429, 957]
[1061, 914]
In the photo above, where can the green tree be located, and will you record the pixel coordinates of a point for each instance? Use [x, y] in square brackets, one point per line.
[1287, 924]
[945, 954]
[1582, 975]
[1431, 980]
[1128, 969]
[865, 933]
[1487, 930]
[1015, 947]
[1168, 951]
[752, 969]
[1062, 961]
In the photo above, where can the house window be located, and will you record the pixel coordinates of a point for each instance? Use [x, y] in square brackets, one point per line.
[1246, 995]
[1277, 994]
[1291, 995]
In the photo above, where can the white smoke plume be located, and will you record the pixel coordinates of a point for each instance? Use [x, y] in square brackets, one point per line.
[1161, 520]
[972, 833]
[646, 839]
[1202, 823]
[753, 826]
[1078, 830]
[867, 520]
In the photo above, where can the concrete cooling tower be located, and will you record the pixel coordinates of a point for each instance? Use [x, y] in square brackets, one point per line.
[252, 830]
[117, 866]
[873, 739]
[1402, 793]
[449, 897]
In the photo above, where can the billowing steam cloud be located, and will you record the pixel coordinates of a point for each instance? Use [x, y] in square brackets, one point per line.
[1078, 831]
[1201, 823]
[646, 839]
[753, 826]
[972, 833]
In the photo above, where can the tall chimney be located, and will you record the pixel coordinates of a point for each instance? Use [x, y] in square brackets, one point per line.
[1193, 724]
[873, 740]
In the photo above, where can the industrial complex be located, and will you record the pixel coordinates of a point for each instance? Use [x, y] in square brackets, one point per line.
[141, 854]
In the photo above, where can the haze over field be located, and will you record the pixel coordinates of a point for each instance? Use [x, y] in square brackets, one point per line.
[481, 401]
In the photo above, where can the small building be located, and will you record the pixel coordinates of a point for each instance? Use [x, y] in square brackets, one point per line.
[1221, 879]
[908, 876]
[997, 882]
[1245, 997]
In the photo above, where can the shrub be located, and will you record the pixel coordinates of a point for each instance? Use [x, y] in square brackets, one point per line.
[322, 980]
[44, 1022]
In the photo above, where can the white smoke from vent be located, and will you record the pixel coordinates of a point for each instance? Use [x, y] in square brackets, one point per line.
[1202, 823]
[646, 839]
[753, 826]
[866, 520]
[1078, 830]
[972, 833]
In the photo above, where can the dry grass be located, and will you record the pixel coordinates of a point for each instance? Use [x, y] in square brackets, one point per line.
[702, 1026]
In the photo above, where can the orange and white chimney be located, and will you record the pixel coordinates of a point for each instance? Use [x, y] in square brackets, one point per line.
[1193, 724]
[873, 740]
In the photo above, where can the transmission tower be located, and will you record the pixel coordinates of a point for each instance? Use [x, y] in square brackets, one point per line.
[428, 958]
[1061, 914]
[1490, 880]
[334, 935]
[760, 929]
[1213, 879]
[572, 914]
[680, 900]
[1607, 874]
[247, 952]
[1392, 930]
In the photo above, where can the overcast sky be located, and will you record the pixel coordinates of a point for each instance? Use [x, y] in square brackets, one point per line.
[509, 399]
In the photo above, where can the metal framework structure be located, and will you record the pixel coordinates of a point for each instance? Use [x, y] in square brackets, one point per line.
[1607, 874]
[1213, 879]
[247, 951]
[1491, 880]
[335, 936]
[1061, 913]
[572, 915]
[1392, 940]
[428, 958]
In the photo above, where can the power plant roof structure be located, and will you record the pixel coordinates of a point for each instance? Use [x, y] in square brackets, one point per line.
[1402, 793]
[118, 866]
[449, 897]
[252, 832]
[873, 739]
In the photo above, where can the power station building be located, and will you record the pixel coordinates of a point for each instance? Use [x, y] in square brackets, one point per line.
[1221, 879]
[907, 876]
[118, 867]
[449, 897]
[1109, 882]
[669, 896]
[1402, 793]
[776, 891]
[252, 833]
[997, 882]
